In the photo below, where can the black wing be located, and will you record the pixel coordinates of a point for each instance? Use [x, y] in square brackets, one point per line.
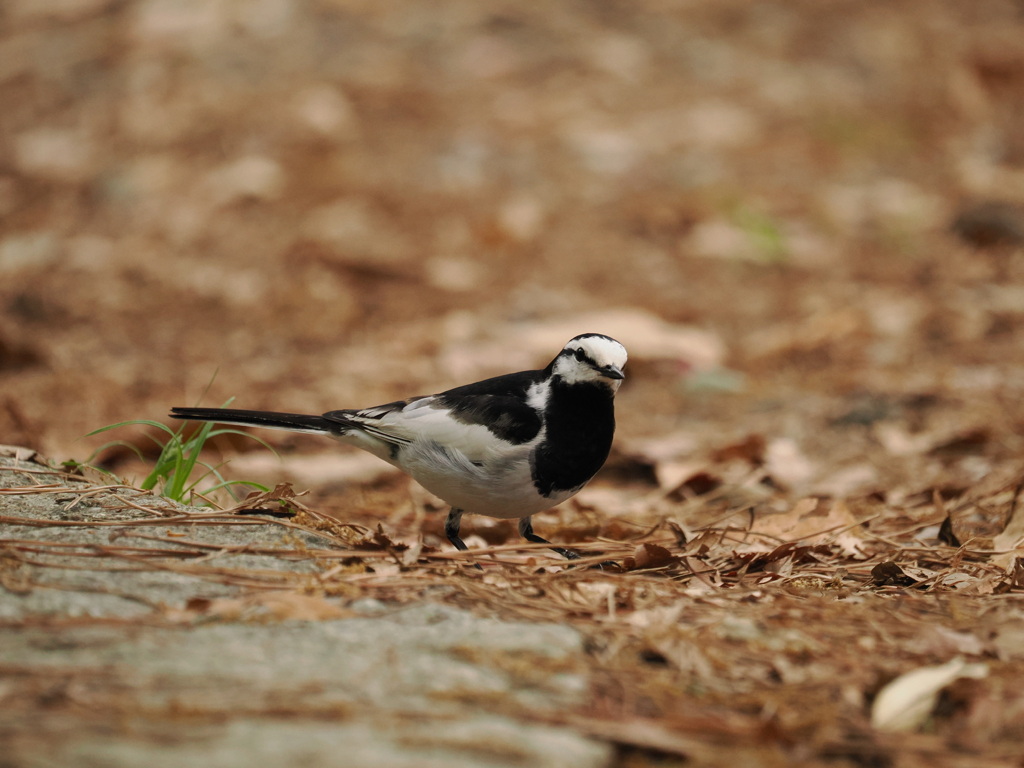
[499, 403]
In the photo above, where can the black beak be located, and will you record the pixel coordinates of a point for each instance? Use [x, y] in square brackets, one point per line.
[612, 372]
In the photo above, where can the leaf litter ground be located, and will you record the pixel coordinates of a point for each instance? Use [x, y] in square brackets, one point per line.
[816, 492]
[714, 632]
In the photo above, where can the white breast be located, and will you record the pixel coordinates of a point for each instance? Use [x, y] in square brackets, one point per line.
[500, 486]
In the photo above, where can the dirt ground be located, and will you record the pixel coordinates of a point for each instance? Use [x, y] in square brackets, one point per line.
[805, 220]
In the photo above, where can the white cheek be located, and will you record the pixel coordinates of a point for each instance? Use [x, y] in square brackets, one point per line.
[570, 372]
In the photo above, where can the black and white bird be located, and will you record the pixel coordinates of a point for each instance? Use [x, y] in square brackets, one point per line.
[505, 447]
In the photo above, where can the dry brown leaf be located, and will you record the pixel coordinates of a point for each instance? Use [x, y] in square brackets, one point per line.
[889, 574]
[750, 449]
[781, 559]
[378, 540]
[967, 442]
[813, 521]
[695, 484]
[1011, 540]
[282, 498]
[652, 556]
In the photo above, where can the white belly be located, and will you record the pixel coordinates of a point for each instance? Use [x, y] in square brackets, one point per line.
[494, 487]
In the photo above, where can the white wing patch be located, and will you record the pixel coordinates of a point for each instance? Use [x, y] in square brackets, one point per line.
[537, 395]
[420, 424]
[425, 422]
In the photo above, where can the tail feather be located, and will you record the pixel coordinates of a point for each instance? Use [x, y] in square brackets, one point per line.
[293, 422]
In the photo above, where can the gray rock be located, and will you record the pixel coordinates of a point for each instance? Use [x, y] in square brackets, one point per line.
[105, 668]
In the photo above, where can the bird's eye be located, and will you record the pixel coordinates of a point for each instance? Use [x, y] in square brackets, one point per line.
[581, 355]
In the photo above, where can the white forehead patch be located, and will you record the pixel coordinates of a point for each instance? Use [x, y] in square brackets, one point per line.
[601, 349]
[600, 352]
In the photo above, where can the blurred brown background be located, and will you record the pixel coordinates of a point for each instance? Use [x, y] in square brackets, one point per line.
[803, 218]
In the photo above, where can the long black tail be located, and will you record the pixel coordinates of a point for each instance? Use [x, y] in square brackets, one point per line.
[293, 422]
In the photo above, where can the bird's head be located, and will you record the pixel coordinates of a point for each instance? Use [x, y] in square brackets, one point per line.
[591, 358]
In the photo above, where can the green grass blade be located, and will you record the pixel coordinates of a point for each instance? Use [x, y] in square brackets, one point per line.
[132, 423]
[178, 457]
[123, 443]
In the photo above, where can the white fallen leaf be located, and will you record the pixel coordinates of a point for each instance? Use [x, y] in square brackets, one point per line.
[785, 462]
[905, 703]
[254, 176]
[17, 452]
[1009, 641]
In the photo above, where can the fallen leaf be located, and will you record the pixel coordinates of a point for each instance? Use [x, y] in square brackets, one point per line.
[782, 558]
[888, 574]
[787, 464]
[652, 556]
[697, 484]
[750, 449]
[282, 497]
[906, 702]
[1008, 641]
[1011, 540]
[378, 540]
[815, 521]
[966, 443]
[946, 533]
[19, 453]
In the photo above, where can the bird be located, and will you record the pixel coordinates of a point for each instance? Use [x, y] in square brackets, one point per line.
[506, 447]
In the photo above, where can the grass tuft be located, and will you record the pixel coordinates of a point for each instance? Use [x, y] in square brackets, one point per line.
[179, 459]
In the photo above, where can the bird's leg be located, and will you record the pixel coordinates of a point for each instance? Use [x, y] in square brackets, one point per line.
[526, 531]
[451, 530]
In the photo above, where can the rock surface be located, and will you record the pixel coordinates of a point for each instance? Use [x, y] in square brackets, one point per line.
[143, 658]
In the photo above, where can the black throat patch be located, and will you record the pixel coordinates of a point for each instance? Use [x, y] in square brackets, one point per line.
[580, 420]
